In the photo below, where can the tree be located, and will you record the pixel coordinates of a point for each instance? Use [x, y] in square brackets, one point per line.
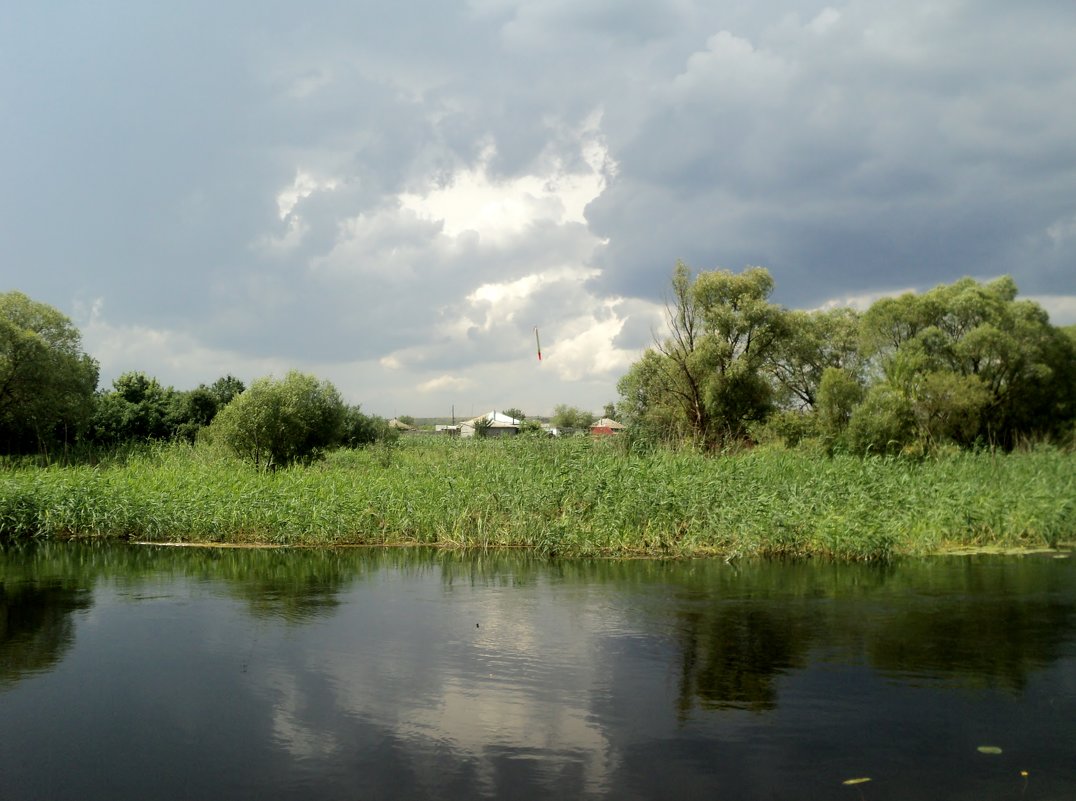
[137, 408]
[365, 429]
[194, 410]
[531, 428]
[570, 417]
[883, 423]
[46, 381]
[191, 412]
[225, 388]
[742, 330]
[705, 379]
[678, 377]
[1016, 371]
[649, 404]
[276, 422]
[515, 414]
[814, 342]
[838, 395]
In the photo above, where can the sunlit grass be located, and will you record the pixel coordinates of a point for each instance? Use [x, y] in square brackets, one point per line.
[569, 497]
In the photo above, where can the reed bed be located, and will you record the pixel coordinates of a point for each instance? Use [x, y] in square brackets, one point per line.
[570, 497]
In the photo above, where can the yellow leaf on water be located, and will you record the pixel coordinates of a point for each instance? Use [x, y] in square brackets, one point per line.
[860, 780]
[988, 749]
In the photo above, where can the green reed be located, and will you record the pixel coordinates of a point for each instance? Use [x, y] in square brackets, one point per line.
[571, 497]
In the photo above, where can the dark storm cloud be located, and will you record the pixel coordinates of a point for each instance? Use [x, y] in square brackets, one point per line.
[238, 172]
[862, 152]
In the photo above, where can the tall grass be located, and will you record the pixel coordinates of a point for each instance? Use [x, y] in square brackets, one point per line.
[569, 497]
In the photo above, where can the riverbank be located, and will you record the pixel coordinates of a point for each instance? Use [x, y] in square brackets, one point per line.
[573, 497]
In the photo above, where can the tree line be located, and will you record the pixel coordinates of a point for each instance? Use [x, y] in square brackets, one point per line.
[964, 364]
[49, 401]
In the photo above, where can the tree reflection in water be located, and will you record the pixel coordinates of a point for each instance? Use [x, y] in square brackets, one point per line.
[36, 626]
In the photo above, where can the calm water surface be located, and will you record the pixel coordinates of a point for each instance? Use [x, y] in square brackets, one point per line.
[132, 672]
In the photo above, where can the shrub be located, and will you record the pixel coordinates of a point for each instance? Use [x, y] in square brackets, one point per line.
[274, 423]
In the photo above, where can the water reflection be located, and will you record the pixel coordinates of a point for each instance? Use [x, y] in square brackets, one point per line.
[35, 624]
[731, 654]
[446, 675]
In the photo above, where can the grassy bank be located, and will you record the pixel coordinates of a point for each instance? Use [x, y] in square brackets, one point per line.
[569, 497]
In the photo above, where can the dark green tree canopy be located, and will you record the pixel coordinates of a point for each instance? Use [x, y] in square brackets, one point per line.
[137, 408]
[46, 381]
[365, 429]
[224, 389]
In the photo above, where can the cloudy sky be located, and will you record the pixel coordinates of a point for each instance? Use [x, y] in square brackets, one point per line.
[392, 196]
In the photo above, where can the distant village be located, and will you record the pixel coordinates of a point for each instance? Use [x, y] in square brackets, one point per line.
[499, 424]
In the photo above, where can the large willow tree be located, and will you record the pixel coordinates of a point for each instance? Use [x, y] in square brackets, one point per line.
[966, 361]
[707, 379]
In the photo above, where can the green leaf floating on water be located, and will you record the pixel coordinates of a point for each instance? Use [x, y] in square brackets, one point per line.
[988, 749]
[860, 780]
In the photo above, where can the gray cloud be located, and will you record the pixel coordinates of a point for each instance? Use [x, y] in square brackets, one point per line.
[851, 148]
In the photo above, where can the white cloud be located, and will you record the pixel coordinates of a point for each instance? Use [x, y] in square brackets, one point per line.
[472, 200]
[295, 228]
[175, 358]
[390, 244]
[443, 382]
[1062, 232]
[591, 351]
[499, 303]
[301, 188]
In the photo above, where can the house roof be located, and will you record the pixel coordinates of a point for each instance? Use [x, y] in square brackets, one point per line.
[496, 420]
[607, 422]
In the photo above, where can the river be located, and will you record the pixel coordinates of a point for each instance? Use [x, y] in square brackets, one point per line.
[139, 672]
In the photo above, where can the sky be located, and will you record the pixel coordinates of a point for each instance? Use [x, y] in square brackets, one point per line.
[393, 196]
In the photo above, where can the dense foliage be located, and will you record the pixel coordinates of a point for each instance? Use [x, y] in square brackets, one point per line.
[49, 398]
[139, 409]
[964, 363]
[46, 381]
[276, 422]
[570, 418]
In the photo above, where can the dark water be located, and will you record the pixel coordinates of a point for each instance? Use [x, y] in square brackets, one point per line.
[133, 672]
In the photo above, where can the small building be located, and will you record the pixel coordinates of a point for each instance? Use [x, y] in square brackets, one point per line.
[494, 423]
[606, 426]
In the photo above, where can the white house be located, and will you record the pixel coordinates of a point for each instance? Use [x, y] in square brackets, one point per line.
[499, 425]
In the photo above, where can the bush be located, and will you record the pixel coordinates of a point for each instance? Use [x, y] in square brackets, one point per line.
[365, 429]
[788, 427]
[883, 423]
[274, 423]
